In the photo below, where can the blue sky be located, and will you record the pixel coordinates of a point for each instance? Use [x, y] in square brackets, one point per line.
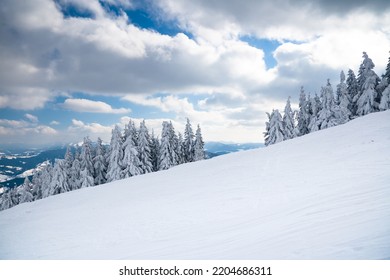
[76, 68]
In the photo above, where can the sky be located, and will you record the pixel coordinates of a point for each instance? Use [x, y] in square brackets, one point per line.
[75, 68]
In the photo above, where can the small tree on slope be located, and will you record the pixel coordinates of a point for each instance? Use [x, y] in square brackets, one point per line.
[115, 156]
[199, 145]
[275, 128]
[288, 121]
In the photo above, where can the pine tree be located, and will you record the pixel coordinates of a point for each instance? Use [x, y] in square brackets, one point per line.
[144, 149]
[367, 99]
[86, 161]
[6, 200]
[47, 175]
[352, 91]
[199, 145]
[343, 98]
[115, 156]
[25, 191]
[303, 116]
[167, 158]
[387, 72]
[86, 179]
[131, 165]
[181, 149]
[385, 100]
[288, 121]
[174, 143]
[275, 129]
[68, 161]
[155, 152]
[188, 142]
[99, 163]
[330, 114]
[59, 182]
[74, 173]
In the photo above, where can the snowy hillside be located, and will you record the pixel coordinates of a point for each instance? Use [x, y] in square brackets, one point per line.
[322, 196]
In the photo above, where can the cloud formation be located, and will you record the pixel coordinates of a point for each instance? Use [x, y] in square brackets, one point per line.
[46, 53]
[90, 106]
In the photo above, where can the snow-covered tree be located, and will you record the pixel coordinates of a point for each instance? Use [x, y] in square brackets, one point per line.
[6, 200]
[155, 152]
[74, 173]
[288, 121]
[343, 99]
[303, 116]
[352, 91]
[330, 114]
[385, 100]
[189, 142]
[99, 163]
[59, 182]
[275, 130]
[46, 179]
[199, 145]
[115, 156]
[86, 180]
[25, 191]
[167, 152]
[144, 150]
[131, 165]
[174, 143]
[86, 163]
[180, 149]
[387, 71]
[367, 99]
[87, 156]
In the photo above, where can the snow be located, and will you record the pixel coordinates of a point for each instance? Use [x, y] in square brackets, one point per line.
[325, 195]
[4, 178]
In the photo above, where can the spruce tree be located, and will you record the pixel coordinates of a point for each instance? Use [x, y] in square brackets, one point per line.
[181, 149]
[131, 165]
[99, 163]
[47, 174]
[59, 182]
[343, 98]
[330, 114]
[25, 191]
[6, 200]
[74, 174]
[199, 145]
[385, 100]
[188, 142]
[288, 121]
[387, 72]
[275, 129]
[86, 162]
[155, 152]
[352, 91]
[367, 100]
[115, 156]
[144, 149]
[303, 115]
[166, 153]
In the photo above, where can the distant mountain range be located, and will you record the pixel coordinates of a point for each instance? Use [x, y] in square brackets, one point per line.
[16, 164]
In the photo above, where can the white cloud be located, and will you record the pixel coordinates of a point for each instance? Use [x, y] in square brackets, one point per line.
[54, 123]
[90, 128]
[86, 105]
[31, 118]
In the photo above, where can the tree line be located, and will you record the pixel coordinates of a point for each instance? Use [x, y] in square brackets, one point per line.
[355, 97]
[131, 152]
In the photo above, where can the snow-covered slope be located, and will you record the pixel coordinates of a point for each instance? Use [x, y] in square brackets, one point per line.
[322, 196]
